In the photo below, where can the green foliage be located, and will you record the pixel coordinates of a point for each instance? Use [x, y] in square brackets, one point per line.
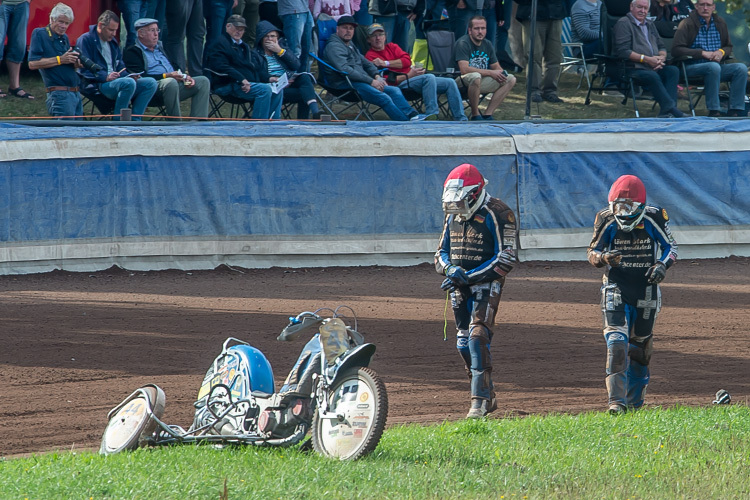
[675, 453]
[735, 5]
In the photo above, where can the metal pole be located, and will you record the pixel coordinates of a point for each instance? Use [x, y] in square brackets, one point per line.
[530, 63]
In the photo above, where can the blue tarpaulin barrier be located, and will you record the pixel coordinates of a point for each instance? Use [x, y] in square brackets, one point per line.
[262, 194]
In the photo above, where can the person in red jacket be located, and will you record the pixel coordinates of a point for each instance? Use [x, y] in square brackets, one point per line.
[404, 75]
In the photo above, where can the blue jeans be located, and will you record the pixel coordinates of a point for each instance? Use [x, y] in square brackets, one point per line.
[64, 103]
[662, 84]
[363, 17]
[216, 13]
[429, 86]
[125, 89]
[391, 100]
[132, 10]
[713, 73]
[396, 29]
[260, 94]
[298, 32]
[157, 9]
[459, 19]
[13, 22]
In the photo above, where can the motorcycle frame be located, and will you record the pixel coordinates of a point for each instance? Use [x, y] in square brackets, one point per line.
[357, 356]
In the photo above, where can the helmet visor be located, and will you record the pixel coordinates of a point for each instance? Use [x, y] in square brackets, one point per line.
[458, 207]
[628, 213]
[626, 209]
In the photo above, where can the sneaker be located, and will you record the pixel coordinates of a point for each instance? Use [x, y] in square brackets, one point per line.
[553, 99]
[481, 407]
[477, 118]
[615, 409]
[737, 112]
[487, 117]
[418, 118]
[677, 113]
[536, 97]
[672, 113]
[714, 113]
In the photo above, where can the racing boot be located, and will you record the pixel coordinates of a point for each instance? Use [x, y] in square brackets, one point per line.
[481, 407]
[617, 409]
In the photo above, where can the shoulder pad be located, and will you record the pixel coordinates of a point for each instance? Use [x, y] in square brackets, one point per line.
[657, 213]
[500, 209]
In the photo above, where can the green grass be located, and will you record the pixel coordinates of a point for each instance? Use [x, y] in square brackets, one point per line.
[662, 454]
[514, 108]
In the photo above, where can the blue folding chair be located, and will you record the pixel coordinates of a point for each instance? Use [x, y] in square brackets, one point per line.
[330, 95]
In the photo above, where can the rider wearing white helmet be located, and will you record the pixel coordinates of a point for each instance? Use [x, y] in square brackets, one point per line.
[476, 251]
[633, 240]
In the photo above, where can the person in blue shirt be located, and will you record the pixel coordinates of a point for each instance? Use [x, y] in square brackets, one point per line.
[633, 241]
[146, 56]
[113, 79]
[477, 250]
[51, 54]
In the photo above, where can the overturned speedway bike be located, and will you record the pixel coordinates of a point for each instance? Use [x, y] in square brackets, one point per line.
[330, 391]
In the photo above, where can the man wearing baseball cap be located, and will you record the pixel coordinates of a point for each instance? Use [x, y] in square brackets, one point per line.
[240, 72]
[402, 74]
[343, 55]
[146, 56]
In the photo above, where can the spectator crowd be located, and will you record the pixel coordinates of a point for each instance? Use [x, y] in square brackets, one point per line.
[256, 52]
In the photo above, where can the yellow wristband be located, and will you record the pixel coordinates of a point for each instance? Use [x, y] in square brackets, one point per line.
[281, 52]
[722, 52]
[163, 75]
[59, 62]
[642, 56]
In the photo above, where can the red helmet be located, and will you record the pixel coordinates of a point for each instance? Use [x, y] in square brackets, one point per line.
[463, 191]
[627, 200]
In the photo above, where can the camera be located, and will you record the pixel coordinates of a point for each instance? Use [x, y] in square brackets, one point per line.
[86, 62]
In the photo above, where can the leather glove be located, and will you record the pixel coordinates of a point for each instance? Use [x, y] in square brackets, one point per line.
[457, 275]
[448, 285]
[656, 273]
[612, 258]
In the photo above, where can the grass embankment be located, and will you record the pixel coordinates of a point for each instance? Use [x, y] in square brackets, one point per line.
[676, 453]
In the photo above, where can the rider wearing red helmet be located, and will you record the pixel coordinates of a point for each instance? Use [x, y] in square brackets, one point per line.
[476, 251]
[633, 240]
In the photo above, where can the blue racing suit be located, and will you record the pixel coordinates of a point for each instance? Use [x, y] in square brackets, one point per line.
[629, 302]
[485, 247]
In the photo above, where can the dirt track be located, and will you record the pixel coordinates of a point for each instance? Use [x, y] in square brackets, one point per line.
[74, 345]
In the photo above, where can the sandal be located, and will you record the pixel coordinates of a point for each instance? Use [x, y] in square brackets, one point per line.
[21, 93]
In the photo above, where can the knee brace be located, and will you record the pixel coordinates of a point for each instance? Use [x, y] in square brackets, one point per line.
[479, 346]
[617, 353]
[642, 353]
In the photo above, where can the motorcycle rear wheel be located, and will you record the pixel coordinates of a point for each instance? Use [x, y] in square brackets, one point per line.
[132, 423]
[359, 406]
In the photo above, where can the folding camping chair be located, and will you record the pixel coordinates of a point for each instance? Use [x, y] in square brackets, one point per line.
[332, 95]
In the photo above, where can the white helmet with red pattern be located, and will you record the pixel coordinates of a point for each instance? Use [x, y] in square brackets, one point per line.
[463, 192]
[627, 200]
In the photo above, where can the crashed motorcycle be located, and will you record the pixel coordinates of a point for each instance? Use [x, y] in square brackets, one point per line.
[330, 391]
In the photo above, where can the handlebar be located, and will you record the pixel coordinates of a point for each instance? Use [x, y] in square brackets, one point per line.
[308, 319]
